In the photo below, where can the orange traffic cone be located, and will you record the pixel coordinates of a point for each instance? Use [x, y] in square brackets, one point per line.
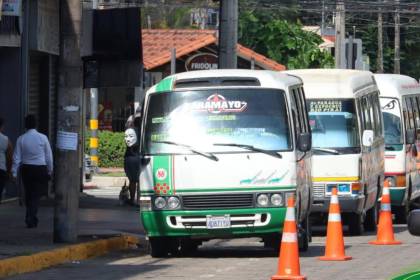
[334, 250]
[288, 265]
[385, 235]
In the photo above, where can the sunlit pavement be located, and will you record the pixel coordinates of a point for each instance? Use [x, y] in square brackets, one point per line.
[246, 259]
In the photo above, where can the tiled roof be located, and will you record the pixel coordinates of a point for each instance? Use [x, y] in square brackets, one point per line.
[330, 38]
[157, 45]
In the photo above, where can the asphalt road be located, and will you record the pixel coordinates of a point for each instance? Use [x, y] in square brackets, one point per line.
[247, 259]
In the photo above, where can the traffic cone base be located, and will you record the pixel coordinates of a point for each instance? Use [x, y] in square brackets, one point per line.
[334, 249]
[377, 242]
[385, 233]
[288, 263]
[338, 258]
[286, 277]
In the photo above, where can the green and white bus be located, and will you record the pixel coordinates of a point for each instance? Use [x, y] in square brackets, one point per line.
[400, 104]
[222, 150]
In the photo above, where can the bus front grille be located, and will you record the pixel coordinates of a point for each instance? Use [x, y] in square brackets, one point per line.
[219, 201]
[319, 191]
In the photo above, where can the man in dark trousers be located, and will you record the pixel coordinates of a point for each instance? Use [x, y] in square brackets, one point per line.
[33, 156]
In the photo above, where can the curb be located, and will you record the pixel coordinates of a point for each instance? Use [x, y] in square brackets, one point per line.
[8, 200]
[42, 260]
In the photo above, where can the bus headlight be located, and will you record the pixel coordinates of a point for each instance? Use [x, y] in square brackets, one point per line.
[173, 202]
[276, 199]
[160, 202]
[145, 203]
[262, 200]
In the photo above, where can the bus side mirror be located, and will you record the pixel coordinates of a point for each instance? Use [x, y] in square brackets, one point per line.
[413, 222]
[410, 136]
[304, 142]
[367, 138]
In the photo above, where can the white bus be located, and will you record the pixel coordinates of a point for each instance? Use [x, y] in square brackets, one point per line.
[347, 142]
[400, 96]
[222, 150]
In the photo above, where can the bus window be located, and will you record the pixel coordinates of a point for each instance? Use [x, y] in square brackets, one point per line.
[366, 113]
[298, 99]
[304, 109]
[410, 117]
[295, 115]
[360, 114]
[415, 111]
[405, 113]
[376, 115]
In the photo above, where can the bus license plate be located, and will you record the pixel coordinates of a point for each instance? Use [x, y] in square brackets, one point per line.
[214, 222]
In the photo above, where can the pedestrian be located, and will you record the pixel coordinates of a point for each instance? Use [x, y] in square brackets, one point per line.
[6, 153]
[132, 156]
[33, 157]
[132, 162]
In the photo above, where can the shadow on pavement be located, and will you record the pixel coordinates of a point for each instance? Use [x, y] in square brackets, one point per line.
[98, 217]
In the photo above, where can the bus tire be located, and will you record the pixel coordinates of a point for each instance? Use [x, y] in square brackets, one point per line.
[158, 247]
[272, 242]
[188, 247]
[401, 213]
[371, 219]
[304, 235]
[355, 223]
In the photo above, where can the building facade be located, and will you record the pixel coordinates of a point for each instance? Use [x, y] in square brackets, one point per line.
[195, 49]
[29, 49]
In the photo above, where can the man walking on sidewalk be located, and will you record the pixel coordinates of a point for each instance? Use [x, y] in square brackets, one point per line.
[6, 152]
[33, 156]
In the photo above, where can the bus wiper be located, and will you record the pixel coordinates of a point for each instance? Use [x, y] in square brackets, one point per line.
[329, 151]
[389, 148]
[204, 154]
[250, 148]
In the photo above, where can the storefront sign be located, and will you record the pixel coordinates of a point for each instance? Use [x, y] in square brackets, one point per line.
[202, 61]
[11, 7]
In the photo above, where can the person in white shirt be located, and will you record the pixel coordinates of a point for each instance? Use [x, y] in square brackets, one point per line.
[33, 156]
[6, 151]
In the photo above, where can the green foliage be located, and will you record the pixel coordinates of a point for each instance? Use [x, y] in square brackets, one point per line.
[111, 148]
[283, 41]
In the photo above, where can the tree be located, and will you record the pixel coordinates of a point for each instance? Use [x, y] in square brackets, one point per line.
[283, 41]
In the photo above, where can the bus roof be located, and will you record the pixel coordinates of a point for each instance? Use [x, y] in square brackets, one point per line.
[198, 79]
[394, 85]
[333, 83]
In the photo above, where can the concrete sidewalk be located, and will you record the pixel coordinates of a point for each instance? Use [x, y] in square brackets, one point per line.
[98, 218]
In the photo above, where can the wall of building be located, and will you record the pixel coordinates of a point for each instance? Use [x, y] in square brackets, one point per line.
[10, 101]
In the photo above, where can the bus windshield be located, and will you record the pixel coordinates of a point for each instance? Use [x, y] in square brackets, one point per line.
[392, 121]
[213, 120]
[333, 123]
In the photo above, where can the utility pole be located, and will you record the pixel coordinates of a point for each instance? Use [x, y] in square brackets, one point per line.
[380, 62]
[397, 38]
[323, 18]
[94, 123]
[228, 34]
[350, 53]
[340, 31]
[173, 61]
[68, 152]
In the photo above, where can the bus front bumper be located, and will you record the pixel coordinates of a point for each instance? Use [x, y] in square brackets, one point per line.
[397, 195]
[348, 204]
[243, 222]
